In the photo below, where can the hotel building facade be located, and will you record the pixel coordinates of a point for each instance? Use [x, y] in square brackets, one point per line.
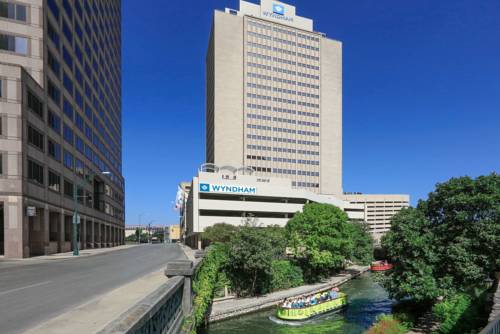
[274, 106]
[274, 96]
[60, 126]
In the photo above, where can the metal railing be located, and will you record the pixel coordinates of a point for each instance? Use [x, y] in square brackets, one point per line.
[493, 326]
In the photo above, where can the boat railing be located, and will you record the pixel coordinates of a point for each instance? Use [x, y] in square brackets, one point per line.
[339, 295]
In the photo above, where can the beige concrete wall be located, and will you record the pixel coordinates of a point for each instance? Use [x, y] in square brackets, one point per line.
[331, 117]
[379, 209]
[228, 92]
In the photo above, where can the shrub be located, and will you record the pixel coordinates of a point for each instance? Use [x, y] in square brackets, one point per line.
[387, 324]
[205, 282]
[285, 275]
[461, 313]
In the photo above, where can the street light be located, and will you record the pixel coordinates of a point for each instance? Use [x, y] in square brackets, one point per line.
[76, 251]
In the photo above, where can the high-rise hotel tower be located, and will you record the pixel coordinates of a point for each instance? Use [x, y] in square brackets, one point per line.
[274, 96]
[60, 126]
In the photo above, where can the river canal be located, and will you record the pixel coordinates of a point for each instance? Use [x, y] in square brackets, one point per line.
[367, 299]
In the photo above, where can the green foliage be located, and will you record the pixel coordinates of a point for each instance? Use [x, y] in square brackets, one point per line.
[449, 243]
[249, 261]
[205, 281]
[277, 237]
[462, 313]
[450, 311]
[387, 324]
[322, 239]
[362, 251]
[220, 232]
[285, 275]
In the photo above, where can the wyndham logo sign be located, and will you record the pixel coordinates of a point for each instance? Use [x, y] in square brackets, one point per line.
[278, 9]
[217, 188]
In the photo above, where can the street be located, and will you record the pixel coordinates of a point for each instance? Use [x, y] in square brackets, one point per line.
[35, 292]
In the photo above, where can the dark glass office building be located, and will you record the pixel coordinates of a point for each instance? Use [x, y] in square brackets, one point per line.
[60, 126]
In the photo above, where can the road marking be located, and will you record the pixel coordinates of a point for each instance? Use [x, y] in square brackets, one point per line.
[24, 287]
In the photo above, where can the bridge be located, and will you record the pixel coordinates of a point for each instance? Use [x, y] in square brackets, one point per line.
[123, 291]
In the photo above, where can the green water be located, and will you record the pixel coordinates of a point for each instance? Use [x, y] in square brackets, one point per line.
[367, 299]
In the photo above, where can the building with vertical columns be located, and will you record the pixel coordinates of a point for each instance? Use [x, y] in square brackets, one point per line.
[274, 96]
[60, 125]
[378, 210]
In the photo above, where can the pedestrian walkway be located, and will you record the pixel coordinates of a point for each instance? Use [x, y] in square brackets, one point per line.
[85, 252]
[229, 308]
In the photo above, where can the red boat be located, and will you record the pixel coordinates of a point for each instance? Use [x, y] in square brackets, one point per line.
[380, 266]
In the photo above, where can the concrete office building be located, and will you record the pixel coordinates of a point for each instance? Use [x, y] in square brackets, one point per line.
[378, 210]
[274, 96]
[230, 195]
[60, 125]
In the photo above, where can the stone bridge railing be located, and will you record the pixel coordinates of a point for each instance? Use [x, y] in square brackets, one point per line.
[493, 326]
[163, 311]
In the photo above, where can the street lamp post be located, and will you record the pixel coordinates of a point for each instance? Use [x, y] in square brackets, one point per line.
[76, 250]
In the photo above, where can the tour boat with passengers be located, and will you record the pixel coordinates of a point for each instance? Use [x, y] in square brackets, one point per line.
[308, 306]
[380, 266]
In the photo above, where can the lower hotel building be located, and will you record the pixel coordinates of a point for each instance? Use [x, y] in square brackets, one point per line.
[234, 195]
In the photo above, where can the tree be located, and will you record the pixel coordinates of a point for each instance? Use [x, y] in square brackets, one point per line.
[322, 238]
[411, 247]
[362, 251]
[220, 232]
[449, 243]
[249, 261]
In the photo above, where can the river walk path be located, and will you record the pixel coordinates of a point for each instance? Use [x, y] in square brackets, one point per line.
[229, 308]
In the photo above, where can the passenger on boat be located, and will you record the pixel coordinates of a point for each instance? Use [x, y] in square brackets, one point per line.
[304, 301]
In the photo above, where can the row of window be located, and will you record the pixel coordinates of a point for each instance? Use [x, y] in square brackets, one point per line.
[305, 184]
[282, 110]
[281, 80]
[14, 44]
[285, 51]
[283, 140]
[13, 11]
[281, 149]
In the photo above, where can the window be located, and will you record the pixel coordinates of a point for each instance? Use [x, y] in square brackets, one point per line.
[68, 83]
[79, 121]
[68, 188]
[54, 93]
[79, 144]
[67, 8]
[1, 164]
[15, 44]
[35, 104]
[67, 57]
[67, 32]
[79, 167]
[12, 11]
[54, 149]
[54, 181]
[53, 63]
[35, 172]
[68, 160]
[78, 76]
[68, 109]
[54, 121]
[53, 8]
[79, 98]
[35, 137]
[68, 134]
[52, 33]
[0, 87]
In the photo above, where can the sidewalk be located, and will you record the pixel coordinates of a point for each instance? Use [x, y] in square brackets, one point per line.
[230, 308]
[94, 315]
[83, 253]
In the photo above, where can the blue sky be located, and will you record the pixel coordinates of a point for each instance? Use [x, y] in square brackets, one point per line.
[421, 93]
